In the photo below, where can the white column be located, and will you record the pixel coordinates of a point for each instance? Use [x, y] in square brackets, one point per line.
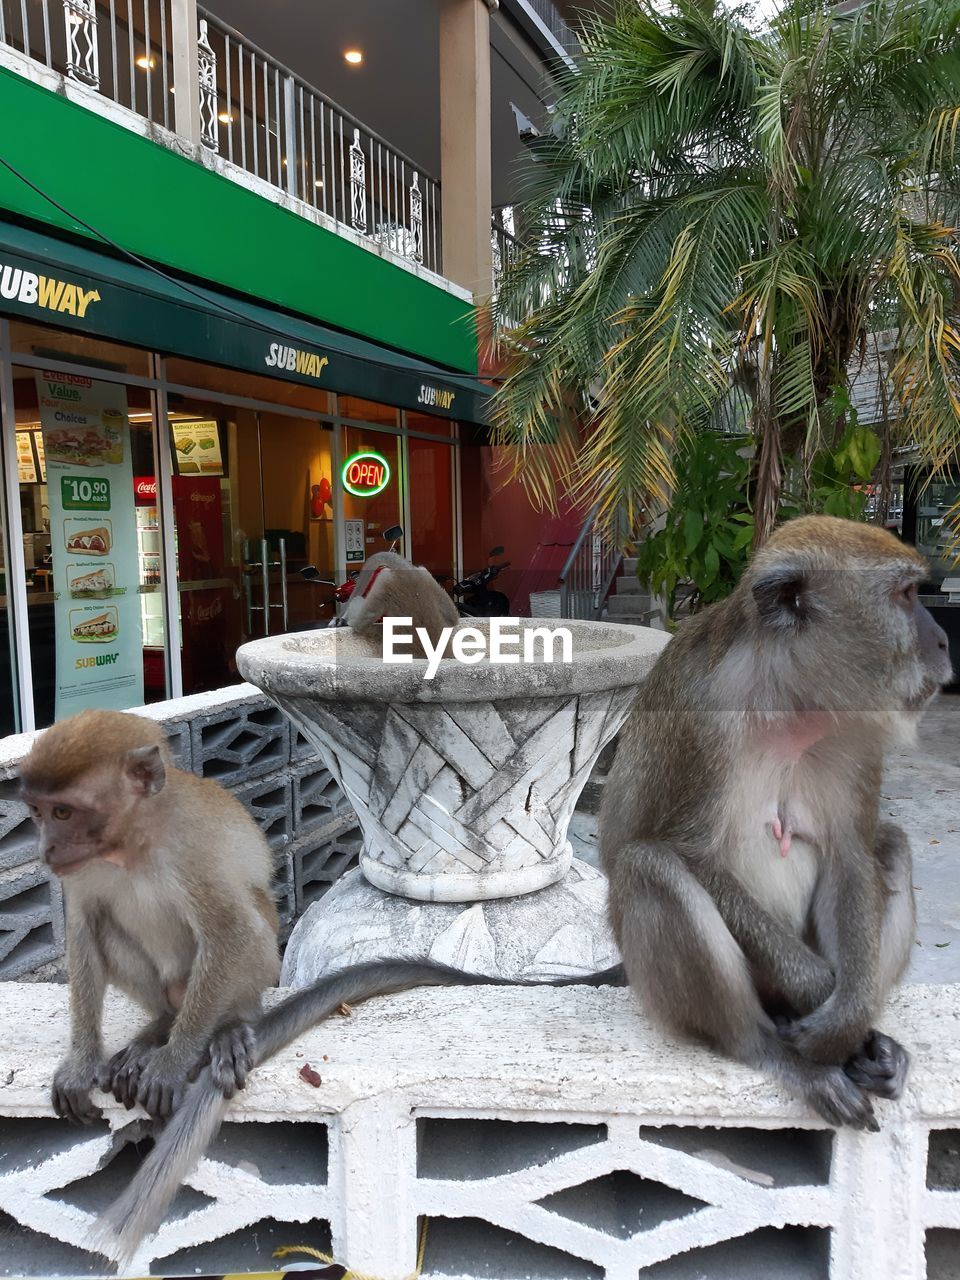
[374, 1157]
[880, 1180]
[186, 76]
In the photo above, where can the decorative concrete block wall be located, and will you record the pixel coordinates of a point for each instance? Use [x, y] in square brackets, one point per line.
[232, 735]
[537, 1133]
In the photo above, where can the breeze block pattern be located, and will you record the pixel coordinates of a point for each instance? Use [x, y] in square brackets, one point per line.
[532, 1133]
[243, 741]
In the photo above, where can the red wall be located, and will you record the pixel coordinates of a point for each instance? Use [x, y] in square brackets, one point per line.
[496, 512]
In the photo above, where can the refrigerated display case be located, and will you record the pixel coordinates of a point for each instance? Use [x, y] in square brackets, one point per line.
[151, 588]
[151, 597]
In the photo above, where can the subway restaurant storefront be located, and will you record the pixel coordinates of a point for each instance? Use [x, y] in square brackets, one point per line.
[174, 456]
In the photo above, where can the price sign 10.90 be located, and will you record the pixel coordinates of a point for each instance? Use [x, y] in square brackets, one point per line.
[84, 493]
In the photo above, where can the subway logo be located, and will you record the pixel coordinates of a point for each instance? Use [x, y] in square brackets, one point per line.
[295, 361]
[46, 292]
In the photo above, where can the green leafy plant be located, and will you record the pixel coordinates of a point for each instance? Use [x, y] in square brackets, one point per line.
[838, 476]
[708, 529]
[716, 203]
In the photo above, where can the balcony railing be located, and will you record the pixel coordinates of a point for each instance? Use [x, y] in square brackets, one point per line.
[253, 111]
[122, 48]
[275, 125]
[506, 249]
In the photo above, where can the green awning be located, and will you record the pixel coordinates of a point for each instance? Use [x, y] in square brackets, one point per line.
[54, 281]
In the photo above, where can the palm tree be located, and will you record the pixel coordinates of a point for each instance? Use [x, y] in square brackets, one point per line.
[718, 207]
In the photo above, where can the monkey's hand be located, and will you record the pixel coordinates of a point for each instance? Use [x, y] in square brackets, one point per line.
[122, 1074]
[881, 1066]
[832, 1034]
[162, 1083]
[231, 1058]
[74, 1079]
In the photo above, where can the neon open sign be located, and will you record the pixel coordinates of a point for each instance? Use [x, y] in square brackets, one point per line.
[365, 474]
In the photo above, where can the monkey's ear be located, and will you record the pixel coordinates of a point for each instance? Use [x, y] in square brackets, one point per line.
[145, 768]
[782, 597]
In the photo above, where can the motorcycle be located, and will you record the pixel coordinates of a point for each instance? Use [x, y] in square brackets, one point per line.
[472, 595]
[344, 590]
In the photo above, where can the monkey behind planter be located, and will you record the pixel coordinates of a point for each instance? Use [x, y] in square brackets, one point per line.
[391, 587]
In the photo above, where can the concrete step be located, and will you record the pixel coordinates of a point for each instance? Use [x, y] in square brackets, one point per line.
[629, 602]
[629, 564]
[650, 618]
[628, 585]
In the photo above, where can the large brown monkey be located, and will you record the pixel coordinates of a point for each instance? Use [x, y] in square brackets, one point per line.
[391, 587]
[760, 904]
[166, 882]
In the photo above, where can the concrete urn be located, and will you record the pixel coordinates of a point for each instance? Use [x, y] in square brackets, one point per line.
[465, 784]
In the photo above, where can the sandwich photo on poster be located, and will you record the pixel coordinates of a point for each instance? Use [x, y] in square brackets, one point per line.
[95, 444]
[86, 583]
[84, 538]
[87, 626]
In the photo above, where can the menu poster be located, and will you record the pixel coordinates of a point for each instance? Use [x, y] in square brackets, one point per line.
[86, 442]
[26, 464]
[196, 447]
[41, 456]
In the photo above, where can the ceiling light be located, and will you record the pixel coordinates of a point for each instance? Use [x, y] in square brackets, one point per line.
[145, 62]
[225, 117]
[319, 184]
[353, 56]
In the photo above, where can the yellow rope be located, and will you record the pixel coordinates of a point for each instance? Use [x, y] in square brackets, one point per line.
[353, 1275]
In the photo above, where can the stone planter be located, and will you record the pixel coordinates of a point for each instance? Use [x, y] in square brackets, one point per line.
[465, 784]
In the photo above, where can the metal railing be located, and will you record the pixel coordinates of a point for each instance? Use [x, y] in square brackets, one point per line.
[122, 48]
[269, 121]
[590, 568]
[506, 249]
[554, 21]
[252, 110]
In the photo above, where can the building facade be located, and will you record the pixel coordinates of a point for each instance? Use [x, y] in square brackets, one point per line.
[238, 328]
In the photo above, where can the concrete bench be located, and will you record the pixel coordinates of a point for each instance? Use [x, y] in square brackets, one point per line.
[539, 1132]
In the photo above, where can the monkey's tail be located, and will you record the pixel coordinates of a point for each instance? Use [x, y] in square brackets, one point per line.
[141, 1208]
[276, 1028]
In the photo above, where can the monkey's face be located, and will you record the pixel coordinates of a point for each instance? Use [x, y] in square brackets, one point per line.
[841, 623]
[73, 828]
[927, 663]
[97, 816]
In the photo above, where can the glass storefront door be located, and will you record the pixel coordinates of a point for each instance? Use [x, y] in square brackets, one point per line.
[431, 540]
[372, 481]
[216, 499]
[296, 460]
[253, 504]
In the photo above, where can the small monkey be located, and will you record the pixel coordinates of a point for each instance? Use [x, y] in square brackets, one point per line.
[166, 882]
[761, 905]
[391, 587]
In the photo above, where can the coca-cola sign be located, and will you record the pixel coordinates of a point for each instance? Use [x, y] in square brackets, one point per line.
[145, 490]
